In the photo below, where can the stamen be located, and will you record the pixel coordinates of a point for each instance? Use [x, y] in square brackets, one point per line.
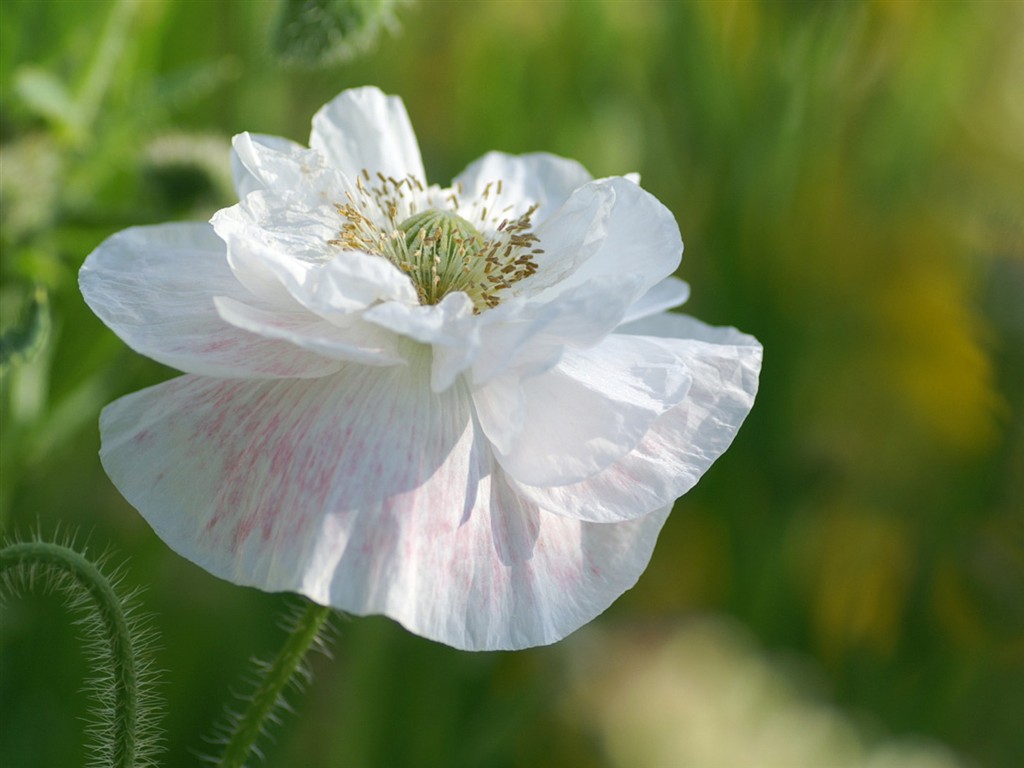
[440, 250]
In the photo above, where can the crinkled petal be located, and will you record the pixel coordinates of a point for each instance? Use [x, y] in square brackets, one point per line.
[337, 289]
[681, 444]
[363, 129]
[568, 238]
[668, 294]
[259, 161]
[302, 227]
[537, 178]
[518, 336]
[368, 492]
[674, 325]
[529, 337]
[640, 237]
[155, 287]
[585, 413]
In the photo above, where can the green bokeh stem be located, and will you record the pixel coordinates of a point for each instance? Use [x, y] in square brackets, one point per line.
[125, 743]
[278, 676]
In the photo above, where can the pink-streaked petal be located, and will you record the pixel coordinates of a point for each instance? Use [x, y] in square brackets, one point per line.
[587, 412]
[369, 492]
[259, 161]
[358, 343]
[363, 129]
[668, 294]
[518, 577]
[154, 287]
[682, 444]
[537, 178]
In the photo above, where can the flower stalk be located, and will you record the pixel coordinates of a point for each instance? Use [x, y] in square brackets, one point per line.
[124, 734]
[269, 695]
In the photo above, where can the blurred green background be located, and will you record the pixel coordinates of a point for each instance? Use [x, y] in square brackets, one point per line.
[846, 582]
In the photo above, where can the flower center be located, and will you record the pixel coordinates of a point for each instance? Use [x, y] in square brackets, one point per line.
[439, 249]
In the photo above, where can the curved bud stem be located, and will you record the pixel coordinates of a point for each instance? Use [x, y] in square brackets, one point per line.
[287, 669]
[112, 638]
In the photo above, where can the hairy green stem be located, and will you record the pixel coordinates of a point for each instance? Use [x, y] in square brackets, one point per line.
[276, 679]
[23, 562]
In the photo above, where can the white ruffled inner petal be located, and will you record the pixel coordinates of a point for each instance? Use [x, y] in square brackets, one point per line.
[337, 289]
[260, 162]
[299, 226]
[533, 179]
[449, 326]
[639, 236]
[155, 287]
[529, 338]
[364, 129]
[369, 492]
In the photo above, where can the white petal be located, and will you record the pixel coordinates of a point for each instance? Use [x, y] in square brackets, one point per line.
[364, 129]
[301, 226]
[669, 293]
[257, 161]
[449, 326]
[537, 178]
[529, 338]
[366, 491]
[553, 574]
[442, 324]
[569, 237]
[354, 280]
[681, 444]
[587, 412]
[640, 237]
[359, 342]
[336, 289]
[154, 287]
[501, 410]
[678, 326]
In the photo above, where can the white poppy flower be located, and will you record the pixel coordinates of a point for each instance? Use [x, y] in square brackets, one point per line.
[464, 408]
